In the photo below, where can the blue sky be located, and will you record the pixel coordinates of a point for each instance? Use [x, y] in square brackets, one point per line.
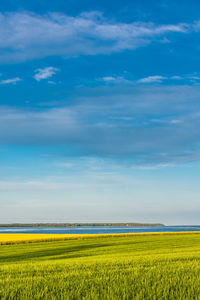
[99, 111]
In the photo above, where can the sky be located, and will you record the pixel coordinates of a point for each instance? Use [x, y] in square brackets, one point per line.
[100, 111]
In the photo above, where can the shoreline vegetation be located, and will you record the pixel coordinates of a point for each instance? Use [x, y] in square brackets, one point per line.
[78, 224]
[21, 238]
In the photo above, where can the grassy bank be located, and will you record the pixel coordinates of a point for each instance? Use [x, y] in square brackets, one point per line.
[131, 267]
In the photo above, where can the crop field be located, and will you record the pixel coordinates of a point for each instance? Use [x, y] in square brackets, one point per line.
[17, 238]
[147, 266]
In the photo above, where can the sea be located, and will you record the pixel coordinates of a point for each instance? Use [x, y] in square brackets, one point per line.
[98, 229]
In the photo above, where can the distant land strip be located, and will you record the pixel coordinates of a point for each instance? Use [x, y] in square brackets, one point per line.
[77, 224]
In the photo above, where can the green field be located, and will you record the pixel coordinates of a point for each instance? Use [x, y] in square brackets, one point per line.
[136, 267]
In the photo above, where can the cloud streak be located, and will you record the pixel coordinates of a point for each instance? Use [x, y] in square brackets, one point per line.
[116, 123]
[57, 34]
[10, 81]
[150, 79]
[121, 80]
[45, 73]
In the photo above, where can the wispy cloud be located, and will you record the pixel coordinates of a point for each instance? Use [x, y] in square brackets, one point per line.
[45, 73]
[10, 80]
[41, 185]
[118, 79]
[69, 36]
[115, 79]
[108, 78]
[150, 79]
[176, 121]
[176, 77]
[159, 78]
[153, 167]
[95, 124]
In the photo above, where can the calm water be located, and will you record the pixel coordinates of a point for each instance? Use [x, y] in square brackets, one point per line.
[98, 230]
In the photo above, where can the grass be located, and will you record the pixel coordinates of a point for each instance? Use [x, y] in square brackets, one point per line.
[126, 267]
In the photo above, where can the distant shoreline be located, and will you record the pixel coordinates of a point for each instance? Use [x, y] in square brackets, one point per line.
[78, 224]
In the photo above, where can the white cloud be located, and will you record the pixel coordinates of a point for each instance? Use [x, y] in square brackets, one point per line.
[10, 81]
[176, 77]
[176, 121]
[39, 185]
[69, 36]
[109, 78]
[194, 77]
[78, 126]
[150, 79]
[153, 167]
[67, 165]
[45, 73]
[114, 79]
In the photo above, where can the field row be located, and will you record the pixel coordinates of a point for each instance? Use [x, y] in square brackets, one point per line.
[17, 238]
